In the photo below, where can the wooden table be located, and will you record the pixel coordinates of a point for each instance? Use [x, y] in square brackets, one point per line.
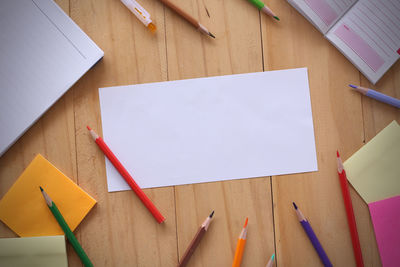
[119, 231]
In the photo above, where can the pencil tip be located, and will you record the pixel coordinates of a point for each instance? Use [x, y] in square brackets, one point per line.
[245, 223]
[212, 214]
[212, 35]
[352, 86]
[88, 128]
[273, 256]
[294, 205]
[275, 17]
[41, 189]
[337, 154]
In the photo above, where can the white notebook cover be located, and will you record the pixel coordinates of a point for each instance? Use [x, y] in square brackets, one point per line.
[42, 54]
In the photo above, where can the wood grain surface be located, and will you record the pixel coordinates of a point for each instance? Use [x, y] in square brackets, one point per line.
[119, 231]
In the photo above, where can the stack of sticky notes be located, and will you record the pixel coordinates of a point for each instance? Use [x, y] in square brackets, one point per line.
[41, 251]
[374, 172]
[23, 209]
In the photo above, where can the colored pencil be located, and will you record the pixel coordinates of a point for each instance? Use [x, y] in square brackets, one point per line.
[349, 211]
[128, 178]
[68, 233]
[261, 6]
[188, 18]
[196, 241]
[377, 96]
[313, 238]
[271, 261]
[240, 246]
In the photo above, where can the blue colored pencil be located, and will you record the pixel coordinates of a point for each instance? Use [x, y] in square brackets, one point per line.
[376, 95]
[313, 238]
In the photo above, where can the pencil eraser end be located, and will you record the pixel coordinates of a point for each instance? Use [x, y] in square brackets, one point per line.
[152, 27]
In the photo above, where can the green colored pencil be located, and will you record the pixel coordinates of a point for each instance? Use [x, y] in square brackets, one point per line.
[68, 233]
[261, 6]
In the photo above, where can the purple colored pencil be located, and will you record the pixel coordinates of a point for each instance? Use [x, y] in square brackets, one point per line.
[313, 238]
[377, 95]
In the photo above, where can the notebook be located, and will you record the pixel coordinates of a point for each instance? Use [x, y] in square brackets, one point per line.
[43, 251]
[42, 54]
[24, 210]
[209, 129]
[367, 32]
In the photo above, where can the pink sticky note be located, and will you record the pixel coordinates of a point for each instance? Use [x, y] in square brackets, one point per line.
[359, 46]
[324, 11]
[385, 216]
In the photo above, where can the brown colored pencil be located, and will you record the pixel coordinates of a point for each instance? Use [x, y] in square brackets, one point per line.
[195, 242]
[189, 18]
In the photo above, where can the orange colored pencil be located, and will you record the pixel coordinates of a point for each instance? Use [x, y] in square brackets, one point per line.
[240, 246]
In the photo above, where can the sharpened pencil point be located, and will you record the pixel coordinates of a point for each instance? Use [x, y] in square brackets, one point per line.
[212, 214]
[212, 35]
[337, 154]
[275, 17]
[353, 86]
[88, 128]
[245, 223]
[41, 189]
[273, 256]
[294, 205]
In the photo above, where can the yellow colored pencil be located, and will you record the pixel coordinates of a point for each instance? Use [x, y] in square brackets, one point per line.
[240, 246]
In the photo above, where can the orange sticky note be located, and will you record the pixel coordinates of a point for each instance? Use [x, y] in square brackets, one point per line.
[24, 210]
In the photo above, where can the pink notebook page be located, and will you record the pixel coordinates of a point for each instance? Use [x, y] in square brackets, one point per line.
[324, 11]
[360, 47]
[385, 216]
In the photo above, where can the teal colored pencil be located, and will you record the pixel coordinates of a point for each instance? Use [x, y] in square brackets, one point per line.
[271, 261]
[68, 233]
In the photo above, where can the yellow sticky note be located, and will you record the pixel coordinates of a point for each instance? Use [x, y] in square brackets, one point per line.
[374, 170]
[40, 251]
[24, 210]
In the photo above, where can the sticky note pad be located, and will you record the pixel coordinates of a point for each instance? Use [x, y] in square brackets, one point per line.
[385, 215]
[43, 251]
[374, 170]
[24, 210]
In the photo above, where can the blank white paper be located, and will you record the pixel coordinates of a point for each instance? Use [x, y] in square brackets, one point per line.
[209, 129]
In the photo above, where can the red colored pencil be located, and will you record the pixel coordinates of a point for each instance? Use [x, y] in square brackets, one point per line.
[350, 213]
[128, 178]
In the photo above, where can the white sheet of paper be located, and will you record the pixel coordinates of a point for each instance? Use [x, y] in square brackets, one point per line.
[209, 129]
